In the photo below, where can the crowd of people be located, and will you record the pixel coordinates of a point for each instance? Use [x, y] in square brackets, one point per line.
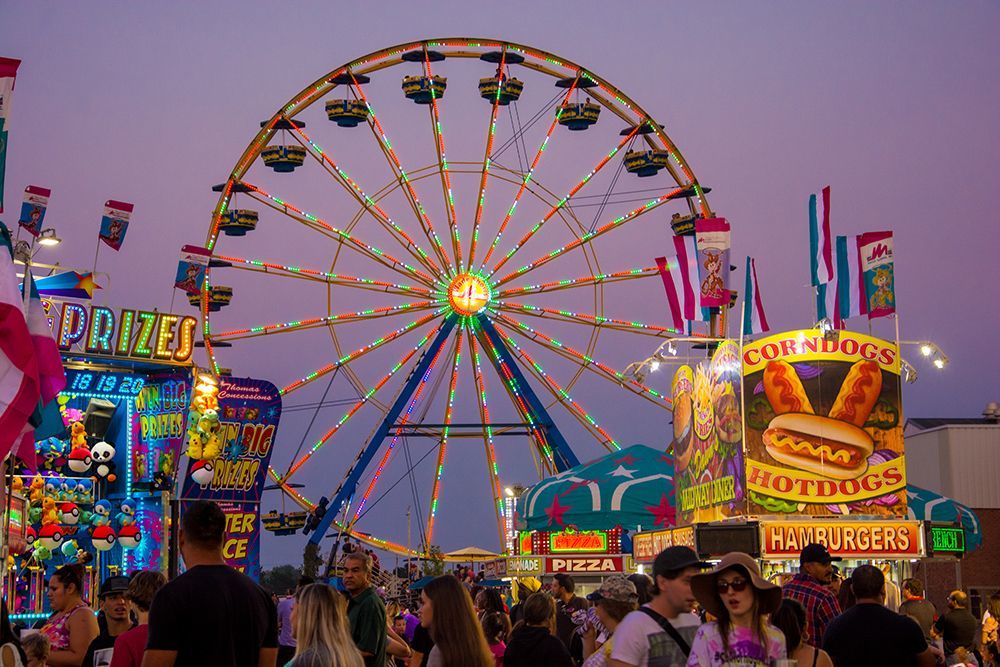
[688, 613]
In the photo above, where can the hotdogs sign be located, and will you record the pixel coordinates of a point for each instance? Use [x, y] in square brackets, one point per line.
[824, 427]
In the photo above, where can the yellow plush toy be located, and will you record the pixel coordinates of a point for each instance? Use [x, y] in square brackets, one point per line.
[49, 513]
[37, 490]
[17, 486]
[77, 435]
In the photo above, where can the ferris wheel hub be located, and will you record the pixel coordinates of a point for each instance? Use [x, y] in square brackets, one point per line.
[469, 294]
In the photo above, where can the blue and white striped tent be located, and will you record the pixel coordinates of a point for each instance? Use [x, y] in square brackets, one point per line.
[929, 506]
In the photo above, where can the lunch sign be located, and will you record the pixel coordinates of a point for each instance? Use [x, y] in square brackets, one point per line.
[824, 426]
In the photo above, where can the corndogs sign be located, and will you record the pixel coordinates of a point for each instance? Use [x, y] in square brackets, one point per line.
[824, 427]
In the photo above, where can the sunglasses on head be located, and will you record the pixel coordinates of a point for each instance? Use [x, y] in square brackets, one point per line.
[738, 586]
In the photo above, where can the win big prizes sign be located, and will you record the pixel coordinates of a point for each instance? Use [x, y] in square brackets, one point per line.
[824, 425]
[249, 411]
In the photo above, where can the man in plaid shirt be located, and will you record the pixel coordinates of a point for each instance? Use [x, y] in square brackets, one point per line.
[811, 587]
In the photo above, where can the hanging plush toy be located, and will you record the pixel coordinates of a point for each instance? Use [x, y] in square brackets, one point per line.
[37, 490]
[103, 454]
[30, 535]
[80, 460]
[49, 513]
[17, 485]
[50, 536]
[52, 486]
[84, 492]
[104, 538]
[51, 454]
[102, 513]
[69, 513]
[204, 427]
[77, 435]
[126, 517]
[67, 489]
[129, 537]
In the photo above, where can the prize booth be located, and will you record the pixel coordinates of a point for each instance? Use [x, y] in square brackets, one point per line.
[107, 456]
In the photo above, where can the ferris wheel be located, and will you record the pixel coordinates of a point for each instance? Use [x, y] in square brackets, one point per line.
[445, 284]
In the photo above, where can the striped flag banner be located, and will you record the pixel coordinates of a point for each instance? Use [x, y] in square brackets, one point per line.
[754, 319]
[820, 242]
[8, 72]
[851, 299]
[680, 280]
[827, 306]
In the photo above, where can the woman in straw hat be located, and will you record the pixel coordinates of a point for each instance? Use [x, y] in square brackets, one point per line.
[739, 598]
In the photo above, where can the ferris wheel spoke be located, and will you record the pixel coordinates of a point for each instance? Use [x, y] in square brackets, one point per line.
[562, 395]
[527, 177]
[589, 319]
[313, 322]
[491, 458]
[585, 281]
[589, 237]
[373, 344]
[397, 167]
[562, 202]
[369, 204]
[403, 420]
[443, 170]
[326, 277]
[314, 222]
[357, 406]
[443, 444]
[584, 360]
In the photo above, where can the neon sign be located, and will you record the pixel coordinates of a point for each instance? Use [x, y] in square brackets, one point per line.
[135, 334]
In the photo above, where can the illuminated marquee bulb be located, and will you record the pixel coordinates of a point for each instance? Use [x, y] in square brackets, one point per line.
[468, 294]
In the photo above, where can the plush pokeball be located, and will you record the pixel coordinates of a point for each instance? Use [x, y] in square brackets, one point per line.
[79, 460]
[30, 535]
[129, 536]
[70, 514]
[202, 472]
[50, 536]
[104, 538]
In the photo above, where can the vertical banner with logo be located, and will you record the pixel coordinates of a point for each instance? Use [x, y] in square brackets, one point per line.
[875, 249]
[713, 261]
[249, 411]
[114, 222]
[707, 438]
[191, 269]
[8, 72]
[36, 200]
[824, 425]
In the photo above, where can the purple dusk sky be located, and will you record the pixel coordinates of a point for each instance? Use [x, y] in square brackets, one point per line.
[894, 105]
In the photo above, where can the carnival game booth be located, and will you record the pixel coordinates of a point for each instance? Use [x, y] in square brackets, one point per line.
[580, 521]
[100, 492]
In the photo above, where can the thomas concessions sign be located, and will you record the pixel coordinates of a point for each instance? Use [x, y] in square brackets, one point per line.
[783, 540]
[824, 427]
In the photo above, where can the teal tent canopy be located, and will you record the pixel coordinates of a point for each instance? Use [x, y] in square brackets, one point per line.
[629, 488]
[929, 506]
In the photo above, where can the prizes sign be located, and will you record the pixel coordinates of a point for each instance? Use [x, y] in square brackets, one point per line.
[249, 411]
[707, 438]
[824, 428]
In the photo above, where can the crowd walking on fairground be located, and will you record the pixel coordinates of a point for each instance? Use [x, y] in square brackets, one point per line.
[688, 613]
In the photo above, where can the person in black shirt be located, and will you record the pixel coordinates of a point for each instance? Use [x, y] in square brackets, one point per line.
[958, 627]
[870, 634]
[421, 645]
[116, 621]
[211, 614]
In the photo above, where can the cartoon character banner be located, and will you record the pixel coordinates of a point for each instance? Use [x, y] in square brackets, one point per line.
[707, 439]
[191, 269]
[36, 200]
[158, 419]
[875, 249]
[824, 425]
[713, 261]
[114, 222]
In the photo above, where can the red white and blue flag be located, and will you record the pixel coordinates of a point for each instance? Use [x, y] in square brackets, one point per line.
[754, 319]
[682, 284]
[8, 72]
[851, 300]
[820, 242]
[114, 222]
[36, 200]
[19, 383]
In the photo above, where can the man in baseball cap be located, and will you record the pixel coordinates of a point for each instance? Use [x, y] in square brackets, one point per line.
[661, 632]
[116, 620]
[811, 588]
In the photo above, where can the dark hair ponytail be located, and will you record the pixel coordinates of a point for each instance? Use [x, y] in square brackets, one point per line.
[71, 574]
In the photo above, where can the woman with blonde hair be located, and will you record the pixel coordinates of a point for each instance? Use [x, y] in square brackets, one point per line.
[446, 610]
[322, 635]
